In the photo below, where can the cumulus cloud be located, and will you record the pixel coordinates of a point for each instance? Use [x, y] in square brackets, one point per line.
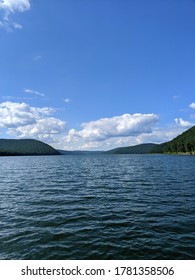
[118, 126]
[43, 129]
[15, 114]
[182, 123]
[24, 121]
[10, 7]
[192, 105]
[15, 5]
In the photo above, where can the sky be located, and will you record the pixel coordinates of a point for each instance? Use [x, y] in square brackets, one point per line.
[97, 74]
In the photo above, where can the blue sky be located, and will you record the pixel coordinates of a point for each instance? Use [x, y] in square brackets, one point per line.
[83, 74]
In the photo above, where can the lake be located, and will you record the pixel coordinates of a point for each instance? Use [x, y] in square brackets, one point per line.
[97, 207]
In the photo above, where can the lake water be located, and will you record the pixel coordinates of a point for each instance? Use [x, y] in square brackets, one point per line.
[97, 207]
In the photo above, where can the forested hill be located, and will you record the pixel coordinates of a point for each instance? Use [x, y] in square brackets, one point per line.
[137, 149]
[24, 147]
[184, 143]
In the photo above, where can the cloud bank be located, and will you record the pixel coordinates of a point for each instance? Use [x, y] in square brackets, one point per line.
[107, 132]
[10, 7]
[24, 121]
[20, 120]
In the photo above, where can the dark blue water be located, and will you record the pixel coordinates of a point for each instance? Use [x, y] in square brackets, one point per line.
[97, 207]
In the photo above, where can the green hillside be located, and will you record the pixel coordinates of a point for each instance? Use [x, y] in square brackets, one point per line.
[137, 149]
[9, 147]
[182, 144]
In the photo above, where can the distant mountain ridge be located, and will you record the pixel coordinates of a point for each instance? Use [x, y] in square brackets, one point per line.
[80, 152]
[137, 149]
[24, 147]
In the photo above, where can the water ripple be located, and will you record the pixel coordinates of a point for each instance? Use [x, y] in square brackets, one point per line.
[97, 207]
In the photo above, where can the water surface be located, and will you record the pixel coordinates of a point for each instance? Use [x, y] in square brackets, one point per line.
[97, 207]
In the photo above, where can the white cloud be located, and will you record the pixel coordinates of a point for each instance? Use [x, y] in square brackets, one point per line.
[24, 121]
[106, 133]
[66, 100]
[31, 91]
[15, 5]
[43, 129]
[192, 105]
[10, 7]
[118, 126]
[17, 25]
[15, 114]
[182, 123]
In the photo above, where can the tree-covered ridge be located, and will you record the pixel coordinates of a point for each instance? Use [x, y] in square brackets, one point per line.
[184, 143]
[10, 147]
[137, 149]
